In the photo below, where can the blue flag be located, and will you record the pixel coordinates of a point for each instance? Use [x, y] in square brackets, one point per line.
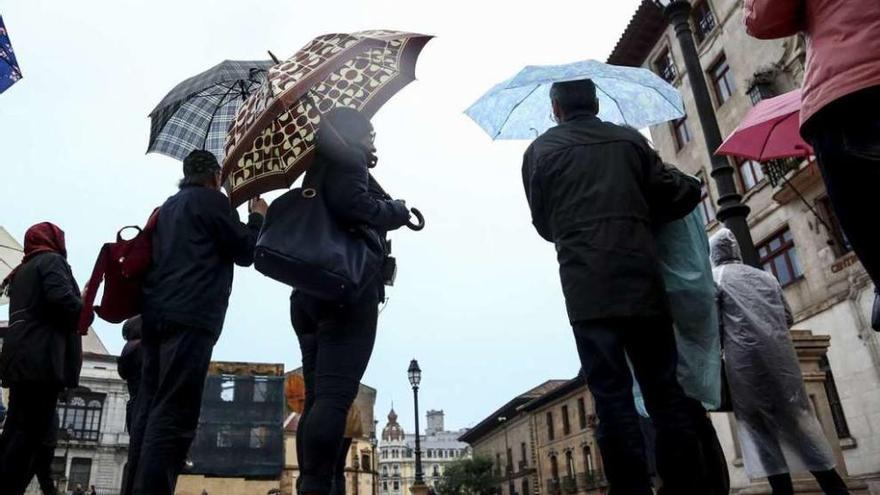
[9, 71]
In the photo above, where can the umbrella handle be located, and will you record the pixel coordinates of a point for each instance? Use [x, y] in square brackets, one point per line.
[416, 226]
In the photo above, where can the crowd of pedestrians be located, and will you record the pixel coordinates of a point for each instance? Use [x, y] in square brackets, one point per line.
[596, 190]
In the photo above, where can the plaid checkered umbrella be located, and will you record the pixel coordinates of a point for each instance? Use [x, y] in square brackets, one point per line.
[272, 140]
[197, 113]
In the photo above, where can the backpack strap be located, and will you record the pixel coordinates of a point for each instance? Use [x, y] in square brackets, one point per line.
[87, 314]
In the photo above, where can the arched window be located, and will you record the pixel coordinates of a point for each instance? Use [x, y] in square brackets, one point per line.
[554, 467]
[79, 415]
[569, 463]
[588, 460]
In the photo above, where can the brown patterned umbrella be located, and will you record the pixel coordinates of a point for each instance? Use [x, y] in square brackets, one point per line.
[272, 140]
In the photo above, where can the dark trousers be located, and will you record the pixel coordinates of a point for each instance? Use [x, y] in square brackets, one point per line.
[603, 346]
[830, 481]
[846, 140]
[42, 467]
[338, 487]
[336, 343]
[28, 422]
[176, 359]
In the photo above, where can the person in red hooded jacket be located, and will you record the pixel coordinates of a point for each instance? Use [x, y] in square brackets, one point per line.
[840, 96]
[42, 352]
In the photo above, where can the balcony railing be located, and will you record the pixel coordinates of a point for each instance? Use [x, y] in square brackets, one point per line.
[591, 480]
[553, 487]
[569, 485]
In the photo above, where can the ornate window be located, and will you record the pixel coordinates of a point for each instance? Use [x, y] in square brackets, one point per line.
[588, 460]
[750, 174]
[722, 80]
[582, 413]
[682, 133]
[704, 20]
[665, 65]
[779, 257]
[707, 207]
[554, 467]
[566, 424]
[80, 472]
[840, 424]
[80, 417]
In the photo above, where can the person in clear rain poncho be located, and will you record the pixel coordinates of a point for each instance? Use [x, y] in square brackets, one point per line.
[777, 428]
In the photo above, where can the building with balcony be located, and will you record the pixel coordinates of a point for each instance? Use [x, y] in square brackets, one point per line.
[795, 231]
[543, 441]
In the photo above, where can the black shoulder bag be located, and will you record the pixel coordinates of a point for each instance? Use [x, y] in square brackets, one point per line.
[302, 245]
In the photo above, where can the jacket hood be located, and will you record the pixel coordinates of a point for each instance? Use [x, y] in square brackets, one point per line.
[723, 248]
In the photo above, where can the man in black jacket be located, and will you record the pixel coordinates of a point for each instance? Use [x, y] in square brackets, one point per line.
[595, 190]
[197, 240]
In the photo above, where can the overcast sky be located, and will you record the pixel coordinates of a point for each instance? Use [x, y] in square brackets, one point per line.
[477, 299]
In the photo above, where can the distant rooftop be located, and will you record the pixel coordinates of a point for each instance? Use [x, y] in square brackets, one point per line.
[509, 409]
[644, 30]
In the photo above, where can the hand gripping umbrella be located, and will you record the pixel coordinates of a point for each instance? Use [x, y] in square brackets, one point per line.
[272, 141]
[196, 114]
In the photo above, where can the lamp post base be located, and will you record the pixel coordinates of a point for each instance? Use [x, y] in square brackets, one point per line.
[419, 489]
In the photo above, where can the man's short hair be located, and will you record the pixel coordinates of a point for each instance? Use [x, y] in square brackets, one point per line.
[573, 96]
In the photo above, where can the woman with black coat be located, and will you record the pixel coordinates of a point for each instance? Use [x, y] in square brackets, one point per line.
[42, 352]
[337, 338]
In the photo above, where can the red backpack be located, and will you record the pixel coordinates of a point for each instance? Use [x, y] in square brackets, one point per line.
[122, 266]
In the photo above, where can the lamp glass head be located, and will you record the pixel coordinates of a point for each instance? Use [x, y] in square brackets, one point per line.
[415, 373]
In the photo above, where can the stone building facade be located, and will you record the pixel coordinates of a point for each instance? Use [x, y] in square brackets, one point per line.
[797, 236]
[543, 441]
[396, 455]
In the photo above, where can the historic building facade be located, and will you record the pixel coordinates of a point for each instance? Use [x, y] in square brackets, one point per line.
[543, 441]
[396, 456]
[797, 236]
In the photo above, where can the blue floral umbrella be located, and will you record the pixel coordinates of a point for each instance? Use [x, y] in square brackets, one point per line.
[10, 73]
[519, 108]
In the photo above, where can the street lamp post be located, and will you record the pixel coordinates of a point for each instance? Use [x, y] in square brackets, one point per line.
[415, 377]
[731, 209]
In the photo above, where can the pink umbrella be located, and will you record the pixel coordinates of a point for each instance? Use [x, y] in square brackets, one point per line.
[770, 131]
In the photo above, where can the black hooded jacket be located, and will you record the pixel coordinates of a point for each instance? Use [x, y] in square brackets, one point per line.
[596, 189]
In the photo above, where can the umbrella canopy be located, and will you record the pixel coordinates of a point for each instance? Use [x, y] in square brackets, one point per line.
[10, 73]
[197, 113]
[272, 140]
[770, 131]
[519, 108]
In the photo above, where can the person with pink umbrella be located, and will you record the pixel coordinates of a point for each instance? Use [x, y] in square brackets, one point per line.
[838, 115]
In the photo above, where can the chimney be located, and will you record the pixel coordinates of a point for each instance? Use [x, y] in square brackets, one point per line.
[435, 422]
